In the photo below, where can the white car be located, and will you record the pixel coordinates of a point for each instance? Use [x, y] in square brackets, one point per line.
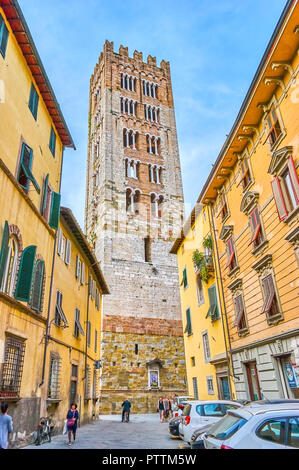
[201, 414]
[256, 426]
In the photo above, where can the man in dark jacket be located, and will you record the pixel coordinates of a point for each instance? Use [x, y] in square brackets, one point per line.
[126, 409]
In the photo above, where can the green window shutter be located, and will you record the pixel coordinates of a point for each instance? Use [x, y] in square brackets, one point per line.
[189, 325]
[3, 36]
[37, 287]
[55, 210]
[33, 101]
[23, 288]
[45, 196]
[52, 144]
[4, 251]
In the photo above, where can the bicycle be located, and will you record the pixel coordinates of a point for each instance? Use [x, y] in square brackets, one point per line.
[44, 430]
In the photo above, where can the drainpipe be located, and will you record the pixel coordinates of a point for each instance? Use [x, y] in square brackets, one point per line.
[48, 327]
[87, 318]
[223, 312]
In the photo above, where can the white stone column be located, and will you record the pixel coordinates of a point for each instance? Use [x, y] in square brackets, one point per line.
[156, 145]
[152, 173]
[132, 202]
[134, 140]
[127, 136]
[157, 175]
[135, 169]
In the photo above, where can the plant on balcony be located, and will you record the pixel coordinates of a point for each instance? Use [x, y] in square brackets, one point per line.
[204, 263]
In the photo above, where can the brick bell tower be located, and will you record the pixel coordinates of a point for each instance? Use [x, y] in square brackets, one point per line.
[134, 208]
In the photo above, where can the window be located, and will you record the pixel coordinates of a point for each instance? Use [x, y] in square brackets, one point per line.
[82, 277]
[156, 205]
[273, 431]
[33, 101]
[210, 385]
[255, 223]
[150, 89]
[59, 313]
[96, 341]
[97, 300]
[9, 257]
[78, 328]
[213, 311]
[130, 139]
[128, 82]
[153, 378]
[293, 433]
[193, 361]
[68, 250]
[214, 409]
[185, 280]
[136, 349]
[3, 36]
[189, 324]
[195, 388]
[226, 427]
[240, 320]
[24, 172]
[200, 290]
[151, 113]
[147, 250]
[54, 379]
[222, 207]
[206, 347]
[274, 126]
[270, 299]
[88, 333]
[50, 207]
[37, 286]
[246, 178]
[12, 368]
[231, 255]
[286, 190]
[78, 268]
[73, 384]
[52, 144]
[25, 274]
[87, 383]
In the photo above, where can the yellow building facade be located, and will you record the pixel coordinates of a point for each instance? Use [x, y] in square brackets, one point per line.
[73, 351]
[33, 135]
[205, 326]
[253, 193]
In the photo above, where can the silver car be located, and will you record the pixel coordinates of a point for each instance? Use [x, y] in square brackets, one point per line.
[256, 426]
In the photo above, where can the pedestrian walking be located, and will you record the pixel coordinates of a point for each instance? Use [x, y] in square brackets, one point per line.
[166, 407]
[5, 426]
[126, 410]
[160, 409]
[72, 422]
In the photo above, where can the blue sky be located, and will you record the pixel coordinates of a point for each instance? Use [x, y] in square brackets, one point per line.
[214, 48]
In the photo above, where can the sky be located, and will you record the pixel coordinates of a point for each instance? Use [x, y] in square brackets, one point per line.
[214, 48]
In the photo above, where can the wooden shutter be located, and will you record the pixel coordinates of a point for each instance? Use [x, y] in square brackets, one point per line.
[239, 310]
[55, 210]
[45, 195]
[59, 242]
[77, 267]
[269, 291]
[4, 251]
[82, 280]
[214, 311]
[4, 37]
[25, 274]
[294, 178]
[280, 204]
[230, 252]
[37, 287]
[189, 325]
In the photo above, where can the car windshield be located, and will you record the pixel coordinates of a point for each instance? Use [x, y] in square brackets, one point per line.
[226, 427]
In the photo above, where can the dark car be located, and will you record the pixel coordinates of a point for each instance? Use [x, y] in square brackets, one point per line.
[173, 426]
[198, 442]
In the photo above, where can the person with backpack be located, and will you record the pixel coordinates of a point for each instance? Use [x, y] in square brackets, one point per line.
[126, 409]
[5, 426]
[72, 422]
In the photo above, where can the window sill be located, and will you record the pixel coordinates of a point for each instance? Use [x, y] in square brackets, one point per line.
[244, 190]
[234, 271]
[9, 399]
[259, 249]
[291, 215]
[243, 332]
[275, 319]
[53, 400]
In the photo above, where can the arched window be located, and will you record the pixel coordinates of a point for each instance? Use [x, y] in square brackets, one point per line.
[136, 201]
[11, 267]
[37, 286]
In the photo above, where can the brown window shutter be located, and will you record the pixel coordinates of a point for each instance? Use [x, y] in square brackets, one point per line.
[280, 204]
[294, 178]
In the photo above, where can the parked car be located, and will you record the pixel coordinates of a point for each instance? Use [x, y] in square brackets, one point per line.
[200, 414]
[197, 440]
[259, 426]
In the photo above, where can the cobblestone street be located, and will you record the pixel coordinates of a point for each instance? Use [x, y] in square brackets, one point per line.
[143, 432]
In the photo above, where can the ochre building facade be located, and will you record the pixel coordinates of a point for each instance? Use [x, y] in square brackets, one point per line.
[134, 206]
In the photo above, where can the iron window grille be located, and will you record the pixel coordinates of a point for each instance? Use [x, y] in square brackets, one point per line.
[59, 314]
[87, 384]
[12, 368]
[54, 379]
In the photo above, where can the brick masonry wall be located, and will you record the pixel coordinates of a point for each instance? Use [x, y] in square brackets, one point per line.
[139, 289]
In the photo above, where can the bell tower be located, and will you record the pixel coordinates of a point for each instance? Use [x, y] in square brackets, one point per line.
[134, 208]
